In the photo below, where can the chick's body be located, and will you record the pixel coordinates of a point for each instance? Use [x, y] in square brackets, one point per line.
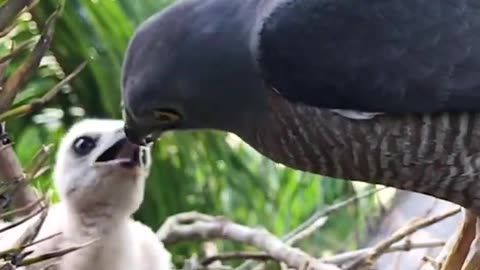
[100, 177]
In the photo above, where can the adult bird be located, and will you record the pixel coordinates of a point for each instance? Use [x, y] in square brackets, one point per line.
[382, 91]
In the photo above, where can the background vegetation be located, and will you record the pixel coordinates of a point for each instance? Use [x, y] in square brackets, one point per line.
[210, 172]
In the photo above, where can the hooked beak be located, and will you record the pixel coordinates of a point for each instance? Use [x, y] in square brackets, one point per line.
[134, 132]
[135, 135]
[140, 134]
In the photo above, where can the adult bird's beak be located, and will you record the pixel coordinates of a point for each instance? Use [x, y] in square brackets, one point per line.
[134, 136]
[134, 132]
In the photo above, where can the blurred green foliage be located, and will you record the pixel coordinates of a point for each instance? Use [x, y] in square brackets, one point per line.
[210, 172]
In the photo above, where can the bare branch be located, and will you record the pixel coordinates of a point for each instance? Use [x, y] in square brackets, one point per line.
[11, 173]
[383, 246]
[29, 235]
[20, 77]
[16, 52]
[38, 162]
[21, 211]
[292, 238]
[206, 228]
[236, 256]
[405, 246]
[21, 221]
[41, 102]
[458, 246]
[10, 10]
[472, 261]
[314, 222]
[54, 255]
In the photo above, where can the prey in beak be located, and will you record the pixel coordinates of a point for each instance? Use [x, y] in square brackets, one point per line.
[124, 153]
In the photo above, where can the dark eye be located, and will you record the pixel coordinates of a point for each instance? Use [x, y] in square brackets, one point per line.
[84, 145]
[166, 116]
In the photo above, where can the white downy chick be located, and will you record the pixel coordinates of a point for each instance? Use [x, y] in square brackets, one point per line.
[101, 177]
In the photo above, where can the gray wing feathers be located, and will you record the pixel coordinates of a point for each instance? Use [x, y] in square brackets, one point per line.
[374, 55]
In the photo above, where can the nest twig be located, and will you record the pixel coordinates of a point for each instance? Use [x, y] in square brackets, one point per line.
[28, 207]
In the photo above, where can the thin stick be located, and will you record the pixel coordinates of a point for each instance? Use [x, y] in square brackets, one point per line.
[259, 256]
[41, 102]
[381, 247]
[22, 220]
[406, 246]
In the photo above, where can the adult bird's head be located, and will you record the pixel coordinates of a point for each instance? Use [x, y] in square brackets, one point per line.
[189, 67]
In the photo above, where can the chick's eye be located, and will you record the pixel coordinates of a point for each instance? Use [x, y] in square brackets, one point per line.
[84, 145]
[166, 116]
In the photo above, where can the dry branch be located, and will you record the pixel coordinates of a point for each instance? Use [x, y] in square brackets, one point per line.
[458, 246]
[20, 77]
[235, 256]
[383, 246]
[10, 10]
[15, 52]
[22, 220]
[12, 174]
[203, 227]
[38, 162]
[315, 221]
[472, 261]
[14, 183]
[41, 102]
[21, 211]
[343, 258]
[54, 255]
[293, 236]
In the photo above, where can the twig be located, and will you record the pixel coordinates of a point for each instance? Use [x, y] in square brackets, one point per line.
[235, 256]
[19, 78]
[207, 228]
[405, 246]
[11, 173]
[314, 222]
[16, 52]
[434, 263]
[42, 240]
[10, 10]
[53, 255]
[21, 221]
[16, 250]
[458, 246]
[381, 247]
[292, 237]
[32, 231]
[472, 262]
[8, 29]
[41, 102]
[38, 162]
[20, 211]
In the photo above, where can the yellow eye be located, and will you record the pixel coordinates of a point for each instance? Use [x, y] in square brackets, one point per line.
[164, 116]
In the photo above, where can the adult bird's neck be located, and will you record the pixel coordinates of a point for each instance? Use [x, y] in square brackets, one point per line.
[437, 155]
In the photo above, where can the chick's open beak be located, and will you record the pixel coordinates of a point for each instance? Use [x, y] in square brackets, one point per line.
[124, 153]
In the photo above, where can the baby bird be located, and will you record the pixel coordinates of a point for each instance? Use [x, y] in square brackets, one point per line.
[100, 177]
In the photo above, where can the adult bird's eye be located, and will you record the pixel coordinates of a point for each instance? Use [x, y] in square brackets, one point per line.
[84, 145]
[166, 116]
